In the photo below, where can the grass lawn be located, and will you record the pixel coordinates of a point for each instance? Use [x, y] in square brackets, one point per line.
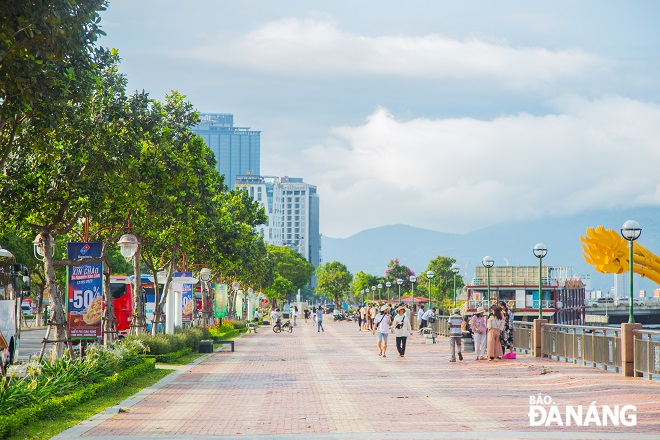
[45, 429]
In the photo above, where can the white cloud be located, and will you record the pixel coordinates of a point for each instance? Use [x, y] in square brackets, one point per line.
[458, 175]
[303, 47]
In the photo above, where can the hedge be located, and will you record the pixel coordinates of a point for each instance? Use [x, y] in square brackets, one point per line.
[169, 358]
[57, 405]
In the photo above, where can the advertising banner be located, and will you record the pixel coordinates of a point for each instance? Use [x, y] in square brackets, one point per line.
[187, 303]
[220, 301]
[84, 291]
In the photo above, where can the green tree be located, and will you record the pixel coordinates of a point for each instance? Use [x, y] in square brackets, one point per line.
[395, 270]
[443, 281]
[334, 281]
[43, 44]
[55, 175]
[364, 282]
[292, 266]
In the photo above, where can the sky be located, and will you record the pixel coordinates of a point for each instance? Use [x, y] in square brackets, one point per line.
[445, 115]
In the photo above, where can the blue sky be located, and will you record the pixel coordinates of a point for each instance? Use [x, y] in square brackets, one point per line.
[444, 115]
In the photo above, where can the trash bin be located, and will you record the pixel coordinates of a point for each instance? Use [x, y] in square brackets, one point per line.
[205, 346]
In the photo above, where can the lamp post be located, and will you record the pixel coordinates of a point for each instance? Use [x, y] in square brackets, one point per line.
[388, 284]
[205, 276]
[488, 262]
[380, 291]
[399, 281]
[540, 251]
[631, 230]
[39, 253]
[412, 279]
[429, 275]
[361, 296]
[373, 293]
[456, 269]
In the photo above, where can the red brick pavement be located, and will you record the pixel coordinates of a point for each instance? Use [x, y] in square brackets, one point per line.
[334, 385]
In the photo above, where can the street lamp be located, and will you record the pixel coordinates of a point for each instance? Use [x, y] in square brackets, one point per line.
[412, 279]
[39, 253]
[388, 284]
[373, 293]
[456, 269]
[380, 290]
[361, 296]
[540, 251]
[429, 275]
[631, 230]
[128, 245]
[399, 281]
[488, 262]
[205, 276]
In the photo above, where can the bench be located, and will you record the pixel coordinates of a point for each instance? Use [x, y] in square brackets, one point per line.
[227, 342]
[205, 346]
[428, 333]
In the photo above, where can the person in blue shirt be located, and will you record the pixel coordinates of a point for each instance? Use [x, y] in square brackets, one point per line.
[319, 319]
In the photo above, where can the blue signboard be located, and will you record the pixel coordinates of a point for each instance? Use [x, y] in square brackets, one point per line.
[85, 291]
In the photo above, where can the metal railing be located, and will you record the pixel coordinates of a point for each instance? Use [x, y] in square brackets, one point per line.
[482, 303]
[647, 352]
[598, 346]
[441, 326]
[522, 336]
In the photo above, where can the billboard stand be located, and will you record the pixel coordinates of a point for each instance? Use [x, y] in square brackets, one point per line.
[46, 341]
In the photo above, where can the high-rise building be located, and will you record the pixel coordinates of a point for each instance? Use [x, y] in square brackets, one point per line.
[293, 212]
[237, 149]
[268, 192]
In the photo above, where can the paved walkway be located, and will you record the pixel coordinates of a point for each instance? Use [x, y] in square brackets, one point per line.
[333, 385]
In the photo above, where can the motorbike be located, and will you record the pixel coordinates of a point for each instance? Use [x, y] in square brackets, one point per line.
[279, 327]
[341, 317]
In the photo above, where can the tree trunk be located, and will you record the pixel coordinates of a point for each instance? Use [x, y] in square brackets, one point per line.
[139, 318]
[58, 316]
[109, 327]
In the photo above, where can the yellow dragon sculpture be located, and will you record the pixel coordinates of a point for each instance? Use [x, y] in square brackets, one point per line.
[608, 252]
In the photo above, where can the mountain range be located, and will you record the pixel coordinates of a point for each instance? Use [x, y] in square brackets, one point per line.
[508, 244]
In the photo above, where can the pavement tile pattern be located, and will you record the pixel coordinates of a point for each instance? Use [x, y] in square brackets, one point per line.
[333, 385]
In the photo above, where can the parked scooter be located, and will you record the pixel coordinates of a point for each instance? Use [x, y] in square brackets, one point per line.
[279, 327]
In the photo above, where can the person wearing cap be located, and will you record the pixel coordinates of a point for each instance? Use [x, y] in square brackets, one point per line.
[426, 316]
[455, 334]
[382, 324]
[402, 328]
[478, 326]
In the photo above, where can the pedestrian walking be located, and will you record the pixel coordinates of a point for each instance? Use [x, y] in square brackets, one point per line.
[363, 316]
[402, 330]
[319, 320]
[420, 313]
[358, 318]
[295, 315]
[506, 338]
[455, 334]
[306, 314]
[478, 327]
[373, 311]
[495, 326]
[382, 324]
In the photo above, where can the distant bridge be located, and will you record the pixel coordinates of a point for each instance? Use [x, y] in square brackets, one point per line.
[648, 314]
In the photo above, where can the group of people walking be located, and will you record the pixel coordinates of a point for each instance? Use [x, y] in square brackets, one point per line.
[399, 324]
[492, 334]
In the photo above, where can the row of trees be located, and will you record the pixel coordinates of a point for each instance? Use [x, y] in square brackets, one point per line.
[338, 284]
[78, 153]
